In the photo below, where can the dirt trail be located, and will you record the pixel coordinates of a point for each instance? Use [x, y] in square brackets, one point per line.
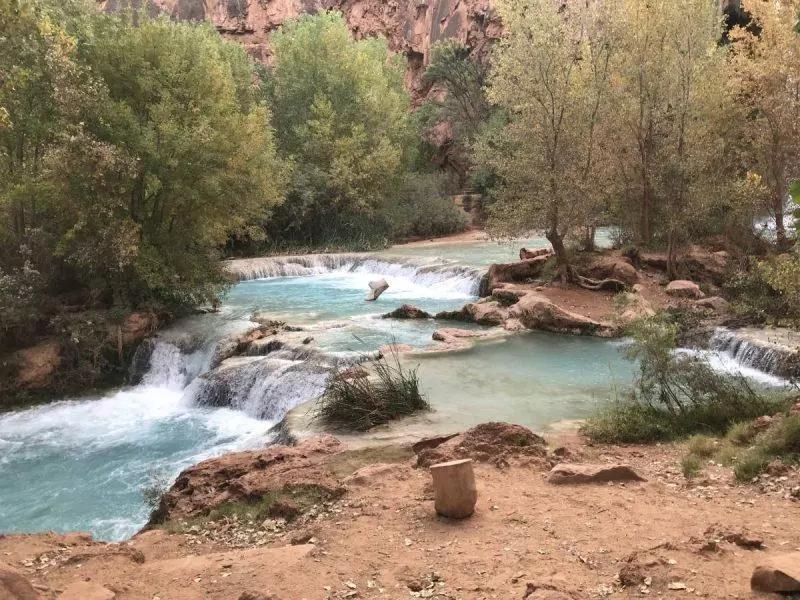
[382, 539]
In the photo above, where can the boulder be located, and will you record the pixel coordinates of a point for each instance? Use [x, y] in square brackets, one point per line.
[485, 312]
[249, 476]
[135, 327]
[777, 574]
[517, 272]
[564, 473]
[493, 442]
[376, 288]
[612, 267]
[14, 586]
[507, 297]
[534, 311]
[456, 339]
[683, 288]
[407, 311]
[715, 303]
[525, 254]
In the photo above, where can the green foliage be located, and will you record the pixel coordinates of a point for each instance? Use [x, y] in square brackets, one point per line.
[342, 119]
[768, 290]
[702, 446]
[359, 404]
[676, 395]
[426, 209]
[128, 156]
[691, 465]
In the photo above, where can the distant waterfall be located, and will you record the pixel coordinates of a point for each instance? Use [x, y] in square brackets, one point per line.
[773, 359]
[460, 278]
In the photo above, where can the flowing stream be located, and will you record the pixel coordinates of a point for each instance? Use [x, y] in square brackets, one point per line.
[81, 464]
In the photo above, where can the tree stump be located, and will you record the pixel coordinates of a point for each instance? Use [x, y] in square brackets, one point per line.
[454, 488]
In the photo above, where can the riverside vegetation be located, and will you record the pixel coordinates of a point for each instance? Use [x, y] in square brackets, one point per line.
[129, 171]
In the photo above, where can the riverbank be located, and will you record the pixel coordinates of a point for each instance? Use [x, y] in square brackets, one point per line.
[378, 536]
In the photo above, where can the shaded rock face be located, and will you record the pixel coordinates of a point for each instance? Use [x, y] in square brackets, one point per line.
[38, 364]
[411, 28]
[611, 267]
[14, 586]
[517, 272]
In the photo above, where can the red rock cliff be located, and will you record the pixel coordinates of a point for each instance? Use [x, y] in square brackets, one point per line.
[410, 26]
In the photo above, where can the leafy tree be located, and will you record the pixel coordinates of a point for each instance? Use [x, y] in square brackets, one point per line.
[177, 156]
[766, 71]
[342, 119]
[463, 108]
[552, 74]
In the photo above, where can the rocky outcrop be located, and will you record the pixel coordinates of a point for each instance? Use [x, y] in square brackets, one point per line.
[714, 303]
[249, 476]
[411, 28]
[535, 311]
[494, 442]
[531, 311]
[456, 339]
[407, 311]
[612, 267]
[518, 272]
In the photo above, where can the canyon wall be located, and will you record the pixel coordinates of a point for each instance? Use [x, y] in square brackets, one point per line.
[411, 27]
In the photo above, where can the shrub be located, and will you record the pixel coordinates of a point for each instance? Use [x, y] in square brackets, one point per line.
[676, 394]
[158, 482]
[702, 446]
[750, 464]
[362, 403]
[426, 208]
[691, 466]
[781, 441]
[741, 434]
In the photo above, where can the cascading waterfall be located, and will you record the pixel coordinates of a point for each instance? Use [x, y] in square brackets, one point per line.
[457, 278]
[747, 352]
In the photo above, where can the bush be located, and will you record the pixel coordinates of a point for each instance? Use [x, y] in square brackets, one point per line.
[781, 441]
[768, 291]
[362, 403]
[426, 209]
[741, 434]
[702, 446]
[691, 466]
[676, 395]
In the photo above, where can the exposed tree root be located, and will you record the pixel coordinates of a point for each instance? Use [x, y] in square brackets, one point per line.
[611, 285]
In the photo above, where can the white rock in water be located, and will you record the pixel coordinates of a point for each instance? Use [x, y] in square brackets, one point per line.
[376, 289]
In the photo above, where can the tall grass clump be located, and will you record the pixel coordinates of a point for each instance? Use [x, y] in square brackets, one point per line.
[359, 404]
[676, 394]
[779, 442]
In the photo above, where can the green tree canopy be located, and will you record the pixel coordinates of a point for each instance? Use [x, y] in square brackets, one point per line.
[342, 118]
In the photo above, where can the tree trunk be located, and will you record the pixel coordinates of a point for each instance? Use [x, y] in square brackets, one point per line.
[644, 217]
[780, 226]
[562, 258]
[672, 260]
[454, 488]
[588, 238]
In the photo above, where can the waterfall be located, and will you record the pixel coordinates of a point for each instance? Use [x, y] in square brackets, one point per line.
[750, 352]
[458, 278]
[261, 387]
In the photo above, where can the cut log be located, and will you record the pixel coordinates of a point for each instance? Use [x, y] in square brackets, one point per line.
[376, 288]
[454, 488]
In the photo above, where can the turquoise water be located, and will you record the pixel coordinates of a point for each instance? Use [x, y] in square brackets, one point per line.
[82, 464]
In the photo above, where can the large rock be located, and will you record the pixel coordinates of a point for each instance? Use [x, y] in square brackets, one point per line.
[535, 311]
[778, 574]
[376, 288]
[493, 442]
[715, 303]
[525, 254]
[456, 339]
[585, 473]
[407, 311]
[135, 327]
[14, 586]
[683, 288]
[249, 476]
[517, 272]
[612, 267]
